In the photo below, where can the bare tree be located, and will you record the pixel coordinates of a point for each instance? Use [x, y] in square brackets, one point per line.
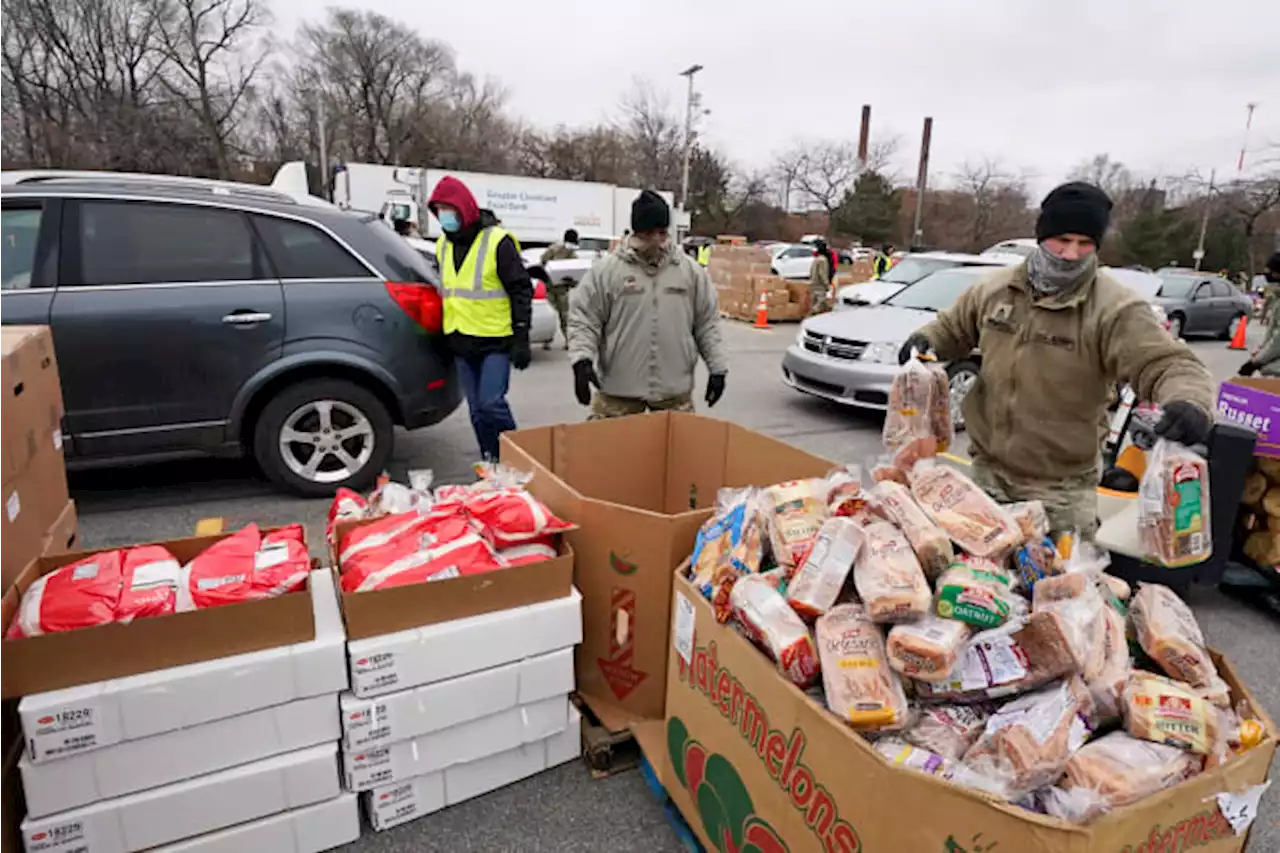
[997, 200]
[822, 171]
[654, 135]
[1112, 176]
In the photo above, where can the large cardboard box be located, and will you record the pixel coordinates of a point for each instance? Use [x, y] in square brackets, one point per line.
[64, 535]
[32, 401]
[750, 757]
[88, 655]
[34, 501]
[639, 487]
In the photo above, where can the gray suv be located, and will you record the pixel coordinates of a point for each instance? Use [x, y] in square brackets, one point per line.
[206, 317]
[1200, 304]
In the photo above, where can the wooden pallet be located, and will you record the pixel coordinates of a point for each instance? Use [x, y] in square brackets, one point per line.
[683, 832]
[605, 751]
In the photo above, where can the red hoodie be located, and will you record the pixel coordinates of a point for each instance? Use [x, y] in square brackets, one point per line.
[454, 192]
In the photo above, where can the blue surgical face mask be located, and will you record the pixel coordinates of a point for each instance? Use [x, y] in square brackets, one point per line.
[450, 221]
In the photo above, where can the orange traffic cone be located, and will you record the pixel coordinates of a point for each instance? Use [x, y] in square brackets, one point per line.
[1237, 341]
[762, 312]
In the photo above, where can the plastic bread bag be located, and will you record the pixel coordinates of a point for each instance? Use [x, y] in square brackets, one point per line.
[1173, 506]
[909, 413]
[927, 650]
[1113, 771]
[718, 536]
[860, 687]
[1031, 519]
[347, 506]
[765, 617]
[1080, 572]
[893, 501]
[940, 407]
[149, 583]
[888, 576]
[816, 585]
[845, 496]
[1037, 560]
[245, 566]
[975, 596]
[948, 730]
[511, 516]
[391, 498]
[913, 451]
[1030, 739]
[1018, 656]
[495, 475]
[1086, 631]
[1162, 710]
[976, 523]
[462, 556]
[900, 753]
[882, 469]
[1168, 632]
[795, 510]
[1107, 685]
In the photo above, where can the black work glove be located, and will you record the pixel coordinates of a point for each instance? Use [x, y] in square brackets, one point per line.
[715, 388]
[917, 342]
[1248, 368]
[520, 353]
[1185, 423]
[584, 376]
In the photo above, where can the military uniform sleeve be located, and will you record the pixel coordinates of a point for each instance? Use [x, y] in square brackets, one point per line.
[954, 334]
[706, 323]
[818, 273]
[1270, 350]
[587, 314]
[1137, 350]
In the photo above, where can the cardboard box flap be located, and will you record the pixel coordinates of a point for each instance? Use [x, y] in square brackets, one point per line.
[616, 459]
[696, 458]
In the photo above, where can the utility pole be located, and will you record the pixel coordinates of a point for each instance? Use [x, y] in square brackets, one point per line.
[325, 190]
[922, 180]
[688, 135]
[1198, 254]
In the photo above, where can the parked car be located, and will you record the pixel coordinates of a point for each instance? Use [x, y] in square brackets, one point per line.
[1022, 247]
[909, 270]
[201, 317]
[543, 321]
[1200, 304]
[851, 356]
[793, 260]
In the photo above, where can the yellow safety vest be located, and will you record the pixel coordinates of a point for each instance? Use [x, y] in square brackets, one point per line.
[475, 302]
[704, 255]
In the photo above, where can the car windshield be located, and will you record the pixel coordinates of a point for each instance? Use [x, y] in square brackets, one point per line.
[909, 270]
[935, 292]
[1011, 249]
[1175, 286]
[397, 260]
[397, 211]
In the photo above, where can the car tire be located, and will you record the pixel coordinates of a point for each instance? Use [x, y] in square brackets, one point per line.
[353, 462]
[1176, 325]
[961, 373]
[1231, 327]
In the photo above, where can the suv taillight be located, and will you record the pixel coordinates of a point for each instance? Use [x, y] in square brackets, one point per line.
[422, 302]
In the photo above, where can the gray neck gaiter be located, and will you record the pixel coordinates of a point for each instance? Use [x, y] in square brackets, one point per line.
[1050, 275]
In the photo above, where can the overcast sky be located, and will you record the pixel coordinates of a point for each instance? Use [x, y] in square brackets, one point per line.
[1159, 84]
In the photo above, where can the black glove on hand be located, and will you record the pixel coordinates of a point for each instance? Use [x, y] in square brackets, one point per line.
[584, 376]
[1248, 368]
[715, 388]
[1185, 423]
[520, 353]
[917, 342]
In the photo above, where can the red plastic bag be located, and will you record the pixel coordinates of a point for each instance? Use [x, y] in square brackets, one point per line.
[78, 595]
[149, 583]
[530, 552]
[347, 506]
[470, 554]
[244, 567]
[512, 516]
[395, 537]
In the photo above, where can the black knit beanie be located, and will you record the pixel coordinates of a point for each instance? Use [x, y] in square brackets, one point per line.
[571, 236]
[1074, 208]
[649, 211]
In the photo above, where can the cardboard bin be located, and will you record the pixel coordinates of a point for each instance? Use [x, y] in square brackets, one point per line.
[399, 608]
[70, 658]
[34, 502]
[749, 756]
[639, 488]
[32, 396]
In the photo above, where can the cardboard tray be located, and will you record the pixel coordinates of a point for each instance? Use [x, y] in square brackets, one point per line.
[400, 608]
[87, 655]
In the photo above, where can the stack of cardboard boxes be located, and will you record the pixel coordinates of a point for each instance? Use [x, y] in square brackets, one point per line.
[232, 753]
[39, 517]
[458, 687]
[742, 273]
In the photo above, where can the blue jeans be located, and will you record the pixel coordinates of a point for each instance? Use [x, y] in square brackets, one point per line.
[484, 382]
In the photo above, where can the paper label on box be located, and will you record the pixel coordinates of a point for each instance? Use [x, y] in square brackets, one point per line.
[367, 726]
[12, 506]
[73, 729]
[370, 767]
[394, 805]
[683, 627]
[57, 439]
[71, 836]
[1241, 809]
[376, 671]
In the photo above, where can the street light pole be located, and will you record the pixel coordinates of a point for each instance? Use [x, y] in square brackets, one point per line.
[688, 135]
[1198, 254]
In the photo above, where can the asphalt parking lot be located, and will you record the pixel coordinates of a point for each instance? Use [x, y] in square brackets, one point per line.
[564, 809]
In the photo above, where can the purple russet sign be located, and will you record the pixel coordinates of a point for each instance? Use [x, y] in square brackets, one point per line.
[1253, 403]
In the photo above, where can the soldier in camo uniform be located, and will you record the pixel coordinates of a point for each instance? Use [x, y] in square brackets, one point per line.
[557, 292]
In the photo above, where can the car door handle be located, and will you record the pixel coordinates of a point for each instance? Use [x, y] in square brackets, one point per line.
[246, 318]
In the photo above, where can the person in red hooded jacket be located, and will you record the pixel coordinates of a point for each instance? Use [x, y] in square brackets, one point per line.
[487, 306]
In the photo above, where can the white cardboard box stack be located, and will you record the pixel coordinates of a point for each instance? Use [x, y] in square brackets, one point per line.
[232, 754]
[443, 713]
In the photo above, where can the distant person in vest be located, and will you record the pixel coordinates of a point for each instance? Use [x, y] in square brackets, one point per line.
[820, 276]
[487, 303]
[642, 316]
[884, 260]
[1266, 359]
[558, 292]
